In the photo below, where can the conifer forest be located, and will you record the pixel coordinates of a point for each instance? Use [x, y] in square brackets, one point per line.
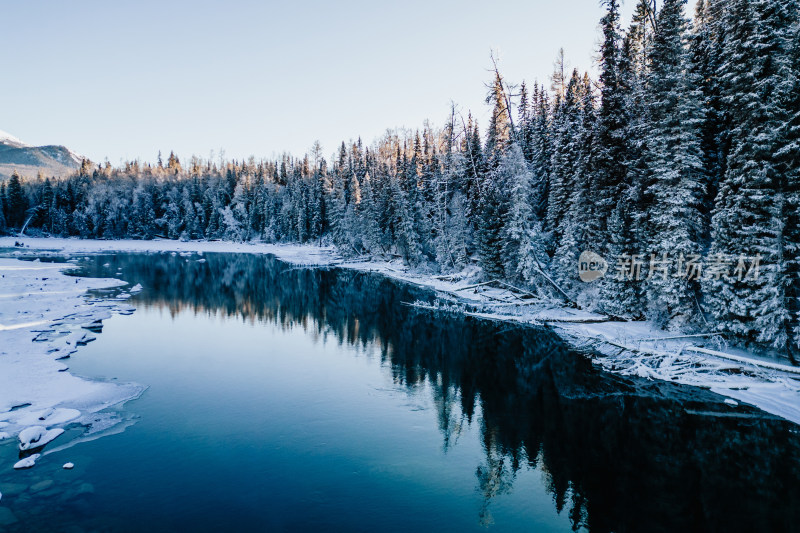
[678, 165]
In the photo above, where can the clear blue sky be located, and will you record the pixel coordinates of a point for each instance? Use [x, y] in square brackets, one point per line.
[124, 79]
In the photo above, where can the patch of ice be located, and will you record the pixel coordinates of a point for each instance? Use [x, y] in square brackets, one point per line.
[730, 402]
[49, 417]
[68, 466]
[27, 462]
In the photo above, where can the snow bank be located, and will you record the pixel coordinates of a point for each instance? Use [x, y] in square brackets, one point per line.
[296, 254]
[628, 348]
[43, 313]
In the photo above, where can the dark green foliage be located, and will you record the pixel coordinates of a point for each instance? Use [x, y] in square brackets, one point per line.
[16, 202]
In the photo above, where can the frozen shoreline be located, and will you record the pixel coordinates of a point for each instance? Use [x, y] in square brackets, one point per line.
[45, 316]
[628, 348]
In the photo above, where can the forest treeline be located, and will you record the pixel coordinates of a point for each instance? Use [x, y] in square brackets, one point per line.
[678, 165]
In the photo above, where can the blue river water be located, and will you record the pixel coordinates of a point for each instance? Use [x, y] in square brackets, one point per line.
[291, 399]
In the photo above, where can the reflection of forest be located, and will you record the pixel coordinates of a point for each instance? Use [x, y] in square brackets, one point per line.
[619, 454]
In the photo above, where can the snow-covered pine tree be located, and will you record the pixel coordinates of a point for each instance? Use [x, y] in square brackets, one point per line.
[489, 231]
[621, 287]
[753, 204]
[499, 133]
[450, 226]
[523, 244]
[338, 200]
[45, 212]
[609, 161]
[191, 227]
[579, 220]
[525, 123]
[674, 156]
[492, 193]
[787, 160]
[2, 211]
[476, 166]
[574, 240]
[371, 235]
[318, 206]
[404, 194]
[615, 197]
[704, 45]
[16, 202]
[639, 37]
[541, 140]
[564, 156]
[634, 67]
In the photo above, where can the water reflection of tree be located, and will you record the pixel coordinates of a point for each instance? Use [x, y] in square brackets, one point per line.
[449, 416]
[495, 477]
[617, 455]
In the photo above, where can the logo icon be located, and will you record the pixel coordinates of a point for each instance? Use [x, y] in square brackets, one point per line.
[591, 266]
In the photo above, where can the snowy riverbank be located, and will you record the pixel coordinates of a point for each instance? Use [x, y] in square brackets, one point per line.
[629, 348]
[44, 316]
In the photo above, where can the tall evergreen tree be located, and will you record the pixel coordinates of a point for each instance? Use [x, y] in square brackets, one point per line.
[609, 171]
[499, 133]
[523, 247]
[753, 204]
[675, 158]
[16, 202]
[705, 44]
[2, 211]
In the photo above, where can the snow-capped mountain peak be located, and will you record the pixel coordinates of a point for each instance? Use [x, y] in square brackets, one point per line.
[29, 160]
[10, 140]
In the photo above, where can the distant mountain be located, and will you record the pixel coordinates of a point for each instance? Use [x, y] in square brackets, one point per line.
[27, 160]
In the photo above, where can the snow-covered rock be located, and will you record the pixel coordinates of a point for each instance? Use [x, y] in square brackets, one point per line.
[27, 462]
[37, 436]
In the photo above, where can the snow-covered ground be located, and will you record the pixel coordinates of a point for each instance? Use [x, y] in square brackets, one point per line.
[43, 319]
[629, 348]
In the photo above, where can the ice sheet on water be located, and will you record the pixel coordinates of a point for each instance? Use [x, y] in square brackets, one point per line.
[108, 394]
[98, 425]
[49, 417]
